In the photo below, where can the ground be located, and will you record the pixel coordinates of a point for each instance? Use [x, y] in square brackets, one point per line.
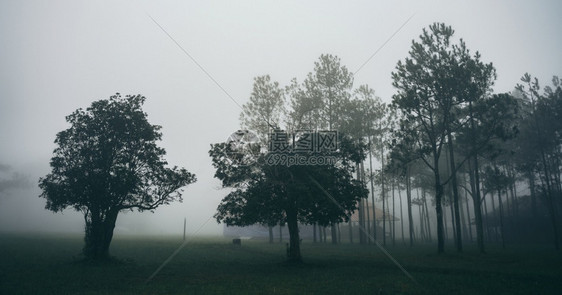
[50, 264]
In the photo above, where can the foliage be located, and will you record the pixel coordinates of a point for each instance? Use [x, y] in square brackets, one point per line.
[266, 107]
[106, 162]
[278, 194]
[437, 87]
[541, 142]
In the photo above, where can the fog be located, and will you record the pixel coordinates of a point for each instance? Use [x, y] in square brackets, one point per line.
[58, 56]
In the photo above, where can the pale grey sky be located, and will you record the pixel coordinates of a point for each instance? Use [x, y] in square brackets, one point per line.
[57, 56]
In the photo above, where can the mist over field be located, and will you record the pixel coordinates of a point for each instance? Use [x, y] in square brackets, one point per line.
[59, 56]
[357, 147]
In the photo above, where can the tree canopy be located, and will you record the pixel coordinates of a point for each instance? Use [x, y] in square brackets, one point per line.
[276, 193]
[108, 161]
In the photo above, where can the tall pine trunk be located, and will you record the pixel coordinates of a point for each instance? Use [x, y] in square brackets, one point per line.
[367, 213]
[362, 236]
[401, 217]
[384, 209]
[409, 203]
[393, 214]
[496, 234]
[427, 215]
[439, 210]
[475, 183]
[455, 204]
[383, 192]
[502, 230]
[468, 215]
[371, 180]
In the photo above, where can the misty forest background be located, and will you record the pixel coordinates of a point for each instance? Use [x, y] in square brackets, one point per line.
[447, 177]
[447, 160]
[456, 161]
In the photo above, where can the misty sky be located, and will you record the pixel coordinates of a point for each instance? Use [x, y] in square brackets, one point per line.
[57, 56]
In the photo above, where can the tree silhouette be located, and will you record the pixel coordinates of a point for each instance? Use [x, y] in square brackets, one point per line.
[266, 194]
[435, 84]
[107, 162]
[542, 148]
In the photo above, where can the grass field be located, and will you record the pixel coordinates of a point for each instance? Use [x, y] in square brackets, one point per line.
[50, 264]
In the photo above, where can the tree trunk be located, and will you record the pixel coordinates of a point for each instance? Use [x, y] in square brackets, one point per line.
[314, 233]
[393, 214]
[496, 234]
[468, 215]
[531, 177]
[383, 192]
[513, 190]
[485, 218]
[439, 210]
[463, 221]
[334, 234]
[372, 190]
[383, 220]
[427, 215]
[98, 235]
[475, 182]
[453, 223]
[361, 221]
[479, 224]
[270, 230]
[409, 201]
[350, 231]
[457, 223]
[367, 212]
[422, 224]
[502, 231]
[294, 253]
[445, 229]
[339, 233]
[401, 217]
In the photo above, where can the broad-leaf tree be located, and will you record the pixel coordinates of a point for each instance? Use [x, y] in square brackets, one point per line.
[106, 162]
[320, 102]
[269, 194]
[266, 194]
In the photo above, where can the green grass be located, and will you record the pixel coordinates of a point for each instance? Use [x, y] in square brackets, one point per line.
[50, 264]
